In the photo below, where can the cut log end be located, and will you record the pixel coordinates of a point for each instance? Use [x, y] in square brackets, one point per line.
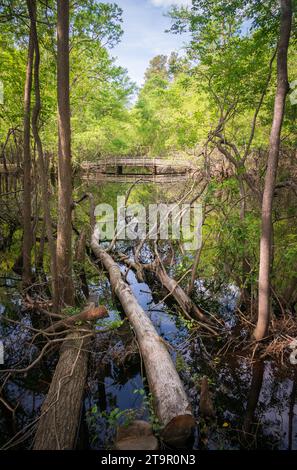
[96, 313]
[137, 436]
[140, 443]
[178, 430]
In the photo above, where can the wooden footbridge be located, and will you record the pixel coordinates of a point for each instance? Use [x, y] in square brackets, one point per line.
[119, 169]
[10, 169]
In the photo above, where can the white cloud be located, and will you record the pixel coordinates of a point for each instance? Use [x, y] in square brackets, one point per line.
[167, 3]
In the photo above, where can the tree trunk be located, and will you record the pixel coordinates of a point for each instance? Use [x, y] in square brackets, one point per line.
[64, 235]
[136, 436]
[27, 237]
[40, 253]
[271, 173]
[170, 400]
[189, 309]
[244, 291]
[80, 255]
[194, 270]
[41, 164]
[60, 412]
[183, 300]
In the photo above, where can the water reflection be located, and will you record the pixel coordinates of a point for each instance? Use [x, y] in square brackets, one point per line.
[255, 402]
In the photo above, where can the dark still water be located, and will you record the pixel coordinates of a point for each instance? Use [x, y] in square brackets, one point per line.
[255, 402]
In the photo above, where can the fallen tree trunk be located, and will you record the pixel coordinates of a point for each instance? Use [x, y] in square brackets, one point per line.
[183, 300]
[79, 259]
[137, 267]
[170, 401]
[59, 420]
[189, 309]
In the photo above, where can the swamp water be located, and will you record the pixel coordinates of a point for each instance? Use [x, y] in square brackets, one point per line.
[255, 403]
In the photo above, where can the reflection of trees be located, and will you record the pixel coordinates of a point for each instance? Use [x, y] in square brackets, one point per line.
[24, 395]
[115, 372]
[265, 390]
[253, 396]
[291, 410]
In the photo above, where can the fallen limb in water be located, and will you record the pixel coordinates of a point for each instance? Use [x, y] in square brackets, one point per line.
[189, 309]
[187, 305]
[170, 401]
[91, 313]
[135, 266]
[60, 412]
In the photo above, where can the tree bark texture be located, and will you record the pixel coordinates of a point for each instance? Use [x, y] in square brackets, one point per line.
[64, 234]
[170, 401]
[27, 226]
[60, 412]
[41, 164]
[271, 172]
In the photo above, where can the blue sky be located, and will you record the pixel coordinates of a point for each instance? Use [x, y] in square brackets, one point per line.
[144, 36]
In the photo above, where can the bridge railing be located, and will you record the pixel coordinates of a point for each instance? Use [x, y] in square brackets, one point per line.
[138, 161]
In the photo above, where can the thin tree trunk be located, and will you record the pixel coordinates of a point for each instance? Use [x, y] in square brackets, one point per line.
[80, 256]
[194, 270]
[195, 266]
[40, 253]
[41, 164]
[245, 294]
[27, 238]
[64, 235]
[271, 173]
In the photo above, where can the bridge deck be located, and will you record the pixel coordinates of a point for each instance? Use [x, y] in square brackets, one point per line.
[138, 162]
[10, 168]
[108, 178]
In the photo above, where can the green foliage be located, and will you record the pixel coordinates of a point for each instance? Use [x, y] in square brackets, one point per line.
[180, 363]
[218, 83]
[112, 324]
[100, 90]
[118, 417]
[114, 418]
[148, 402]
[70, 311]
